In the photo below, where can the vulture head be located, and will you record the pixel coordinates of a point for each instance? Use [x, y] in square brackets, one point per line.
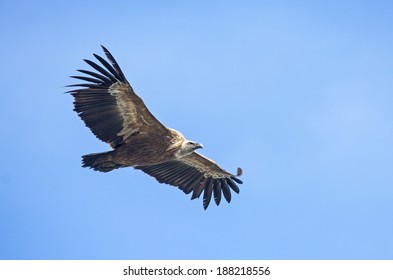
[187, 147]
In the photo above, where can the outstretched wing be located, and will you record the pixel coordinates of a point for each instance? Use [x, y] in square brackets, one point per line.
[195, 173]
[109, 106]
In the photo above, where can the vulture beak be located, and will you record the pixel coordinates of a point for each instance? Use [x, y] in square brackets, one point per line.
[198, 146]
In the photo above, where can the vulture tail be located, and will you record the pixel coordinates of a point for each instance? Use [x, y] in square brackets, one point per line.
[100, 162]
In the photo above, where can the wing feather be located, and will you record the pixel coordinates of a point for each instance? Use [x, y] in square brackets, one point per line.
[96, 75]
[87, 79]
[198, 189]
[194, 178]
[225, 190]
[101, 70]
[232, 185]
[207, 194]
[114, 63]
[195, 184]
[217, 191]
[109, 67]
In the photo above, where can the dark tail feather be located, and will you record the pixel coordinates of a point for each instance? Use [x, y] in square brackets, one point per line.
[100, 162]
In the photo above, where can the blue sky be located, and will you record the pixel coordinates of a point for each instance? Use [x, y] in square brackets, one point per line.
[297, 94]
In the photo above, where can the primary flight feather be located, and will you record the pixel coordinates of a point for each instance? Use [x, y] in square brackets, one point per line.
[109, 106]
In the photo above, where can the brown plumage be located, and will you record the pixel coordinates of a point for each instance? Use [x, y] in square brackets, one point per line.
[115, 114]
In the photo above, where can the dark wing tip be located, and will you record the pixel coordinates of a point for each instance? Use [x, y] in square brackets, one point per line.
[232, 185]
[239, 172]
[207, 194]
[217, 191]
[225, 190]
[104, 49]
[237, 180]
[119, 73]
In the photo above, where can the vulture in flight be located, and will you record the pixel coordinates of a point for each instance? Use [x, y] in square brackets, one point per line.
[108, 105]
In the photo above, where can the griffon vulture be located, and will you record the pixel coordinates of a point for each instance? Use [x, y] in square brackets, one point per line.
[116, 115]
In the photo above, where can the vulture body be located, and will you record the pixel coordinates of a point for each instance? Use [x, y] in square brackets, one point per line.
[109, 106]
